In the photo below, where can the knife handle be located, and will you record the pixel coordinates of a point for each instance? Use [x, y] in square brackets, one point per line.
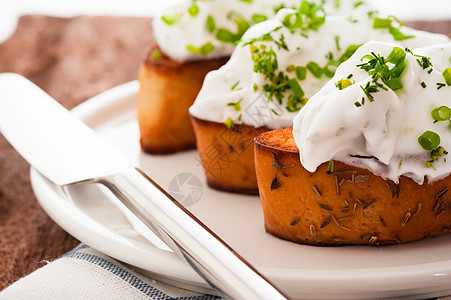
[206, 253]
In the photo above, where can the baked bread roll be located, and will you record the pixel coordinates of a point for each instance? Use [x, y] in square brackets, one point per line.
[345, 205]
[366, 160]
[227, 155]
[167, 89]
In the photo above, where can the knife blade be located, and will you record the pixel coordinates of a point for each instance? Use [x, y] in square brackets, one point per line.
[67, 152]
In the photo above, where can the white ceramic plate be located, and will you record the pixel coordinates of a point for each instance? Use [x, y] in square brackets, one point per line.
[421, 269]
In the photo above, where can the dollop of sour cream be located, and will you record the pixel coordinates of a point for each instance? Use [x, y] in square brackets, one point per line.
[381, 134]
[282, 62]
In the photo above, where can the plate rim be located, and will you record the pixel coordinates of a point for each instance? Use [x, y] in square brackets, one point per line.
[421, 272]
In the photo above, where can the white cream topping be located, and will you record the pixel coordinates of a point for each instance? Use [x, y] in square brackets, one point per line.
[332, 126]
[187, 29]
[235, 81]
[188, 24]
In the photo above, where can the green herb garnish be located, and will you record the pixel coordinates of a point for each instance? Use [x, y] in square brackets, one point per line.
[258, 18]
[156, 54]
[193, 10]
[204, 49]
[211, 25]
[447, 75]
[429, 140]
[442, 113]
[309, 16]
[236, 105]
[379, 69]
[229, 123]
[343, 83]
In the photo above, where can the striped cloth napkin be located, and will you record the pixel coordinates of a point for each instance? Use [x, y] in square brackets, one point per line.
[85, 273]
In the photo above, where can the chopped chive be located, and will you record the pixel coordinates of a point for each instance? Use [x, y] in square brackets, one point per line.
[440, 85]
[235, 85]
[337, 42]
[236, 105]
[423, 85]
[330, 166]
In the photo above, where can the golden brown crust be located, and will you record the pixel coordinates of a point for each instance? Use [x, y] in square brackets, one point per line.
[347, 206]
[167, 89]
[227, 155]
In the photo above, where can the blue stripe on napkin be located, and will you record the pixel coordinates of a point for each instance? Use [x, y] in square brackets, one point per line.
[128, 277]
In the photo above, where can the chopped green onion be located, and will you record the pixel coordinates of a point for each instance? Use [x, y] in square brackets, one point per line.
[447, 75]
[429, 140]
[315, 69]
[204, 49]
[395, 83]
[156, 54]
[207, 48]
[441, 113]
[226, 36]
[229, 123]
[193, 10]
[381, 23]
[358, 3]
[398, 35]
[255, 87]
[296, 88]
[169, 20]
[211, 25]
[258, 18]
[396, 55]
[343, 83]
[301, 73]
